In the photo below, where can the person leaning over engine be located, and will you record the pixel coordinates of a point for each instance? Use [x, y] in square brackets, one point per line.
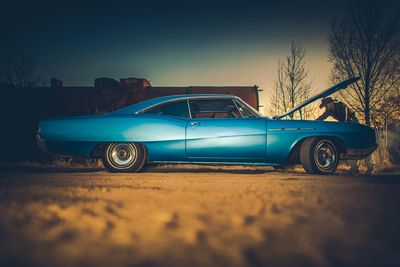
[342, 113]
[338, 110]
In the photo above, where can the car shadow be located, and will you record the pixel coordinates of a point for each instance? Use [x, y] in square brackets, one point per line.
[379, 178]
[46, 169]
[207, 169]
[148, 169]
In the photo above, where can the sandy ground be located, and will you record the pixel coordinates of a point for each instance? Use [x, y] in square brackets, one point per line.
[213, 216]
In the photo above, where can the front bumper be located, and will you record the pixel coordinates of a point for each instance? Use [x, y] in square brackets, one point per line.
[41, 143]
[360, 153]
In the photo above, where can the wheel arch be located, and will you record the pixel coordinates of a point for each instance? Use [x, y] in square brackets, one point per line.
[294, 154]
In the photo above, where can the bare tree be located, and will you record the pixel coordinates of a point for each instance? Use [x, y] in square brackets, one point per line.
[279, 103]
[291, 86]
[386, 119]
[365, 42]
[19, 72]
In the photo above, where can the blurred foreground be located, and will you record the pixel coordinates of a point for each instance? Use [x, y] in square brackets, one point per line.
[214, 216]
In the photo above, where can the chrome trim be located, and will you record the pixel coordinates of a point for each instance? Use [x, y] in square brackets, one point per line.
[290, 129]
[122, 160]
[189, 109]
[234, 102]
[325, 155]
[159, 104]
[122, 155]
[195, 123]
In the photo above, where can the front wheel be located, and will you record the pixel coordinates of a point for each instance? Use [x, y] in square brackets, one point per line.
[319, 156]
[124, 157]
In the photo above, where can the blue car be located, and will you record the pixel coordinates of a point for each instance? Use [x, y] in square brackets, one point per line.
[206, 128]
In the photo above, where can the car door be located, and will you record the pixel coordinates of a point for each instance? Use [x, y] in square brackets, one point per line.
[217, 131]
[166, 131]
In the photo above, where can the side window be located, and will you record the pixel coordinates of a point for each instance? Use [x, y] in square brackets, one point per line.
[215, 108]
[246, 113]
[177, 109]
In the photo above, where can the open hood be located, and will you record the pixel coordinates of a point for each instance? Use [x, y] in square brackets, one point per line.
[325, 93]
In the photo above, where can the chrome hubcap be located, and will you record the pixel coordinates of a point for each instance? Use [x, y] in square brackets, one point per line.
[325, 155]
[122, 155]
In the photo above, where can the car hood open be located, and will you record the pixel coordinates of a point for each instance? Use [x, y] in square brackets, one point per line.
[325, 93]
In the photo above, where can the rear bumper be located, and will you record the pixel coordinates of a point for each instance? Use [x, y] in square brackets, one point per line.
[41, 143]
[361, 153]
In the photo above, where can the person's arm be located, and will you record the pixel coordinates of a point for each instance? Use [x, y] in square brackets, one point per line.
[323, 116]
[345, 109]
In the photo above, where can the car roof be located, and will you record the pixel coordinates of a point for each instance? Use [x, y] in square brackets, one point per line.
[159, 100]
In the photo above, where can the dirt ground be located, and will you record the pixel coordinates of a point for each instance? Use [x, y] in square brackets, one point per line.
[198, 216]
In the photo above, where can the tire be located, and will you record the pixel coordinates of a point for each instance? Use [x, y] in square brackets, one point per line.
[124, 157]
[319, 156]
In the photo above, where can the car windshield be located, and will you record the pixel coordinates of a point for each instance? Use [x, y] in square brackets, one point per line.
[249, 108]
[244, 110]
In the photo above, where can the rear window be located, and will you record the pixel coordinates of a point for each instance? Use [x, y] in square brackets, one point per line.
[176, 109]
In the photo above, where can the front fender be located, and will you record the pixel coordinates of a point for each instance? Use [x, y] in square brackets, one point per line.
[283, 136]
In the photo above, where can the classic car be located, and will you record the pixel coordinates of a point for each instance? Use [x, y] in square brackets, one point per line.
[206, 129]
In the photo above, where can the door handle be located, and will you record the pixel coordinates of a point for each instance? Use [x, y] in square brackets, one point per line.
[194, 123]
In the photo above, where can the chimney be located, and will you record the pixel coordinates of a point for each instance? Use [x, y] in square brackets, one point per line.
[104, 82]
[134, 84]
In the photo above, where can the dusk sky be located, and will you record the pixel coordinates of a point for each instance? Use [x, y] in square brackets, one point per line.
[169, 43]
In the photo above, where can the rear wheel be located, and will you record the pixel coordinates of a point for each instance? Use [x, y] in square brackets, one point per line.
[124, 157]
[319, 156]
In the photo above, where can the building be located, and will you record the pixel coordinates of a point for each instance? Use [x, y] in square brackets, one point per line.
[109, 94]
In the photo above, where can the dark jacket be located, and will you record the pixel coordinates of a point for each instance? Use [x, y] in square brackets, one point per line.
[341, 113]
